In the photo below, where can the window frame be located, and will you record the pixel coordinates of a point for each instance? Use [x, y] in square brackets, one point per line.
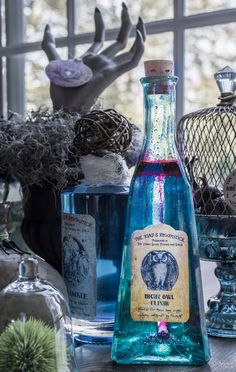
[16, 48]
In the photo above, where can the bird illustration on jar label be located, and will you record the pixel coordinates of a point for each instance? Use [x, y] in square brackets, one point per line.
[160, 275]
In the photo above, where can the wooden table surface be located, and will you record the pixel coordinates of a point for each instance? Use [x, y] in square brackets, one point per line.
[95, 358]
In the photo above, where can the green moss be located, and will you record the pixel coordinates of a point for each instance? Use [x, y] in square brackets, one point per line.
[28, 347]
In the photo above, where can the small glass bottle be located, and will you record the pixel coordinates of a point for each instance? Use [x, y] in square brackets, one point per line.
[93, 223]
[160, 314]
[35, 325]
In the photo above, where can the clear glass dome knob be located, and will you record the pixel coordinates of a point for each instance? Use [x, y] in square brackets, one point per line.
[226, 80]
[35, 324]
[28, 268]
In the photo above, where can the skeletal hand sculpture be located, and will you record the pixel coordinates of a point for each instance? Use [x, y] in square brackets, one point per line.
[105, 67]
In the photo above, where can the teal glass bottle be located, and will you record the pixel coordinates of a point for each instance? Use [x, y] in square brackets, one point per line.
[160, 314]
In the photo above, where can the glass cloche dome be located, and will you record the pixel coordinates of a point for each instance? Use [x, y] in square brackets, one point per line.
[35, 325]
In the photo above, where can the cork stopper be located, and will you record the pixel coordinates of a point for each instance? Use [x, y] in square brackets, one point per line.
[158, 68]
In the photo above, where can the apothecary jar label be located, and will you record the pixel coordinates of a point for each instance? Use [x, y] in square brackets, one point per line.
[79, 263]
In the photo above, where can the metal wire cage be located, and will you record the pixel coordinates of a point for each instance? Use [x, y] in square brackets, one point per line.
[206, 140]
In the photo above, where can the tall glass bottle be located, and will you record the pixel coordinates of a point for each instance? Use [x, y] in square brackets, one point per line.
[160, 315]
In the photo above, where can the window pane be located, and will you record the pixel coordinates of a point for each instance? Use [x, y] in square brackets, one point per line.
[149, 10]
[214, 48]
[36, 82]
[125, 94]
[200, 6]
[40, 12]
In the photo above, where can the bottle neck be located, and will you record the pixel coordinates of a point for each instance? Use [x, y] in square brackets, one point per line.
[159, 106]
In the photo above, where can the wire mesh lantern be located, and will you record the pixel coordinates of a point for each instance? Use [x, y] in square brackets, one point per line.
[206, 141]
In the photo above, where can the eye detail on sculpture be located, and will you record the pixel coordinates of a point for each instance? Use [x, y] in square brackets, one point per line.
[68, 73]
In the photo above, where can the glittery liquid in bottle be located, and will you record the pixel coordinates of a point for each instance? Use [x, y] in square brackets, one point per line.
[160, 315]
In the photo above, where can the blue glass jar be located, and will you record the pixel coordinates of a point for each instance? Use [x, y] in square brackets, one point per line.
[93, 222]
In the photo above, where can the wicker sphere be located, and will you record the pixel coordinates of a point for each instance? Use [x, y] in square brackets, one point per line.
[101, 131]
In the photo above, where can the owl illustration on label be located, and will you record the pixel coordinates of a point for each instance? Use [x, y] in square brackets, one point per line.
[159, 270]
[76, 260]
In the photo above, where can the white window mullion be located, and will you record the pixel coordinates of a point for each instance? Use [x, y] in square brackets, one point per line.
[15, 64]
[155, 27]
[210, 18]
[179, 55]
[71, 27]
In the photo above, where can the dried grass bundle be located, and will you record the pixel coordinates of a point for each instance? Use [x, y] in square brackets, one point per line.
[42, 148]
[39, 148]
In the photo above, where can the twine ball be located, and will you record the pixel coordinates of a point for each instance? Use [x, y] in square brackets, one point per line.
[102, 131]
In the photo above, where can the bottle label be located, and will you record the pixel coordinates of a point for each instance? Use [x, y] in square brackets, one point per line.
[230, 190]
[160, 275]
[79, 263]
